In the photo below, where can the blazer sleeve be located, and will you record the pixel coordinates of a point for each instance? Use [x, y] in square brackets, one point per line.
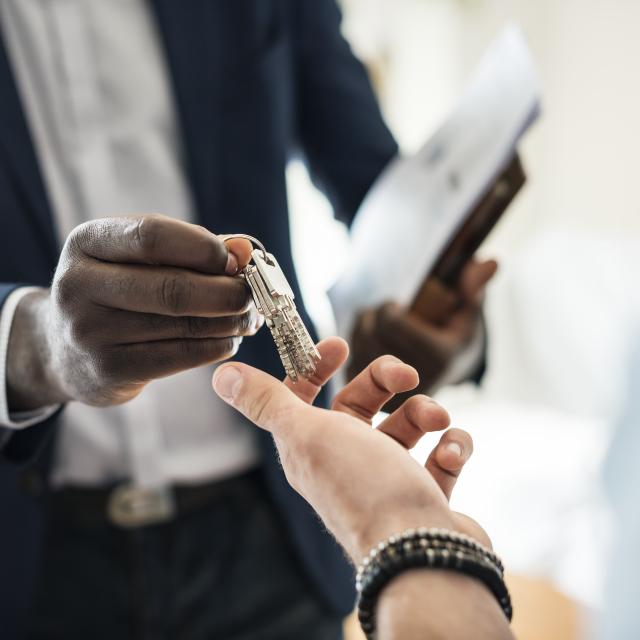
[21, 446]
[340, 128]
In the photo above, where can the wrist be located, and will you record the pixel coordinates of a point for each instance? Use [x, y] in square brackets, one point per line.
[439, 604]
[433, 549]
[394, 521]
[31, 381]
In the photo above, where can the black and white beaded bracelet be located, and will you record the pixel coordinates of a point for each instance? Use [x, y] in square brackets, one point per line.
[426, 548]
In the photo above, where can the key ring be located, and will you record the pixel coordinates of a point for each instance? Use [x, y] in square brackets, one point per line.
[251, 239]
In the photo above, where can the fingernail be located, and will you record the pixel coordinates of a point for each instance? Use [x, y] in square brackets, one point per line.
[392, 368]
[232, 265]
[389, 370]
[391, 364]
[455, 448]
[227, 382]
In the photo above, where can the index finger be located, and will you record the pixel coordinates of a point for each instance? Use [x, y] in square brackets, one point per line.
[372, 388]
[154, 240]
[415, 417]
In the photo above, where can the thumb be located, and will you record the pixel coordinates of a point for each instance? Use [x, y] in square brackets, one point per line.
[240, 249]
[474, 279]
[257, 395]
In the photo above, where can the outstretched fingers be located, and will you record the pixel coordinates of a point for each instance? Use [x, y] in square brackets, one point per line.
[448, 458]
[415, 417]
[372, 388]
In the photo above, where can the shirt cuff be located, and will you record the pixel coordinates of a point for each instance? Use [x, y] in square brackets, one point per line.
[21, 419]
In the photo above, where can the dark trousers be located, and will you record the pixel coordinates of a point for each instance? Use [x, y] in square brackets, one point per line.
[221, 571]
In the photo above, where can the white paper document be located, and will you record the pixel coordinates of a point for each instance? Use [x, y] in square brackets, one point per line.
[418, 203]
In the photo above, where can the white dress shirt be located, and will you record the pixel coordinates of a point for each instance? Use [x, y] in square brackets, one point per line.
[93, 82]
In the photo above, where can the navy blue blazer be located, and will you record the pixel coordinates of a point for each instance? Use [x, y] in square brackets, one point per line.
[255, 81]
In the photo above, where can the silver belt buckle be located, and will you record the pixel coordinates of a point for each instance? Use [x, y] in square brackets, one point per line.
[130, 506]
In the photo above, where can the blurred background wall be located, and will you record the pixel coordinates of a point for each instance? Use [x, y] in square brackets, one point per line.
[565, 305]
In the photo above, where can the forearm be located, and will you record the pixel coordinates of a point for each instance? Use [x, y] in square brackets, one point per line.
[30, 383]
[439, 605]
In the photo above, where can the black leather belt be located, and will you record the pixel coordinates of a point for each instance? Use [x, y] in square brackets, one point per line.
[128, 506]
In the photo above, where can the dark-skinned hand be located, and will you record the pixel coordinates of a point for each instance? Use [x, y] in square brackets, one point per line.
[430, 348]
[132, 299]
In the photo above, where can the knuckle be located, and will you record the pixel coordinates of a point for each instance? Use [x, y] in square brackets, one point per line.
[212, 350]
[175, 294]
[378, 373]
[79, 237]
[65, 289]
[227, 347]
[190, 349]
[145, 233]
[237, 297]
[245, 324]
[81, 329]
[155, 322]
[109, 365]
[216, 252]
[413, 410]
[261, 408]
[194, 327]
[413, 405]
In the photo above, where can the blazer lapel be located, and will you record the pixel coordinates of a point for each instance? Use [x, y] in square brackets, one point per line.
[17, 148]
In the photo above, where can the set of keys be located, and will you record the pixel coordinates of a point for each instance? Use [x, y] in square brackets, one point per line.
[273, 298]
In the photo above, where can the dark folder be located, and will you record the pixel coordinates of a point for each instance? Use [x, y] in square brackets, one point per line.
[438, 297]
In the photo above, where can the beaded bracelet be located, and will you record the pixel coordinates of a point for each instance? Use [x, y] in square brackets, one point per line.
[426, 548]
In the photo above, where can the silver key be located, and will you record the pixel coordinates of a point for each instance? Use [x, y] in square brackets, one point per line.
[273, 298]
